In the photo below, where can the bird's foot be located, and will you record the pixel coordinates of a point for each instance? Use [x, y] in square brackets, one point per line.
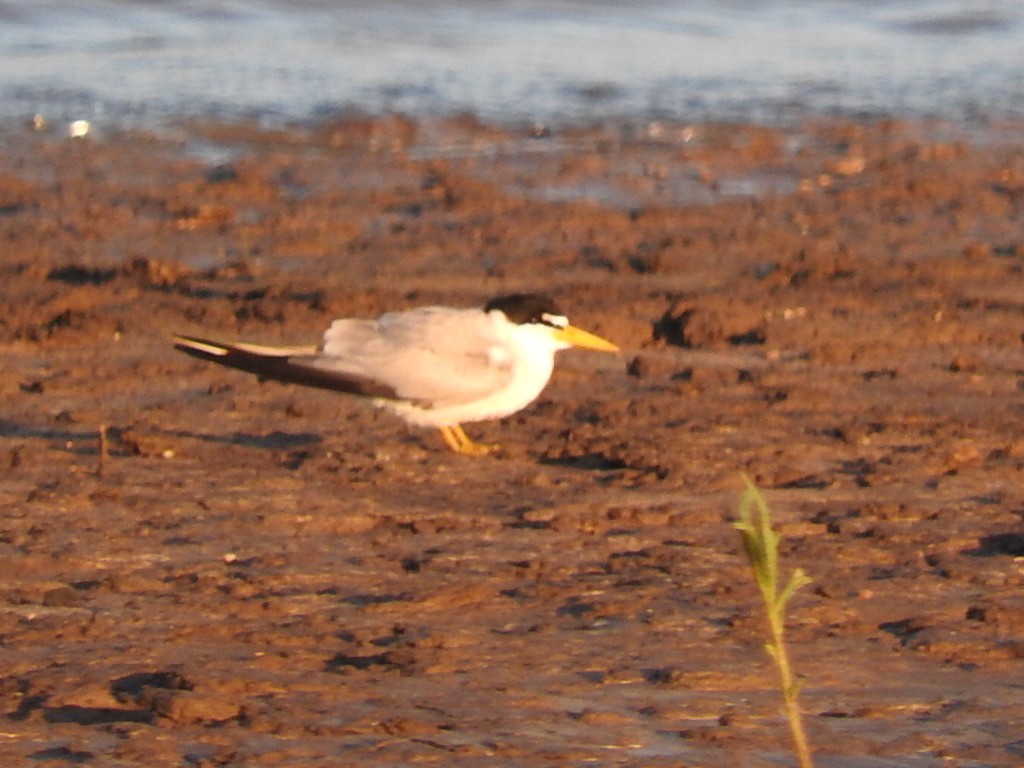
[460, 442]
[478, 449]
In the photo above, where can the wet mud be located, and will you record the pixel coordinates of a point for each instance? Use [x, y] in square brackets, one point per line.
[200, 569]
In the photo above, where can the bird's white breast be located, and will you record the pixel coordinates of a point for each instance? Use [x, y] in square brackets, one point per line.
[527, 352]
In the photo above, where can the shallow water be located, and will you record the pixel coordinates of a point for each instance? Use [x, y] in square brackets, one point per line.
[132, 61]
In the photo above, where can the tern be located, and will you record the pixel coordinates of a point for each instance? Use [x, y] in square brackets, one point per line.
[432, 366]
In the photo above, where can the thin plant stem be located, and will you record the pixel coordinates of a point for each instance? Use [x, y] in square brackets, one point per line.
[761, 543]
[790, 689]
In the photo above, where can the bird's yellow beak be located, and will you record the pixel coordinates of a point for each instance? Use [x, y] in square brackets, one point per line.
[577, 337]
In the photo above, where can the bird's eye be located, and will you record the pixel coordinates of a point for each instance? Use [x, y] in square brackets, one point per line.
[555, 321]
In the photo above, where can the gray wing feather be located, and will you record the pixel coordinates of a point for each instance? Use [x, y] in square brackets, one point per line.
[433, 355]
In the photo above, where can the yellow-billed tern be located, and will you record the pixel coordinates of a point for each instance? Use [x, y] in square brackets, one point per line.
[433, 366]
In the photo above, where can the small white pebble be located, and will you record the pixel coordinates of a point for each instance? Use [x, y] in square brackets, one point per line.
[168, 454]
[78, 129]
[230, 557]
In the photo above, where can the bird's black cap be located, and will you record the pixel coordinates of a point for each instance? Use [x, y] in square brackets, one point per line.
[523, 308]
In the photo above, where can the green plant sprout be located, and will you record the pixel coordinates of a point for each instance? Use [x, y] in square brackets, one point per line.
[761, 543]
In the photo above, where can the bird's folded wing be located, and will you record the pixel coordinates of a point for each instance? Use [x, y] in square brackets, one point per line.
[295, 365]
[434, 356]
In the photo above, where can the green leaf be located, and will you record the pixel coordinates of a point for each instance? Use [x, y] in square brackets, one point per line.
[797, 580]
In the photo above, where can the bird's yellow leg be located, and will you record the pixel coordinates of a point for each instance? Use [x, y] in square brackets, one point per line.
[460, 442]
[451, 439]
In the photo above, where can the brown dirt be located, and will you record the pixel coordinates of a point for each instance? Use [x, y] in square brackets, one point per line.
[264, 575]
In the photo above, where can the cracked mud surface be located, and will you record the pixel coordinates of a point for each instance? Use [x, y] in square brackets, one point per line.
[257, 574]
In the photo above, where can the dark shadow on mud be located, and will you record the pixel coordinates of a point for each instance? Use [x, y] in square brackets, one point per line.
[343, 661]
[71, 713]
[86, 441]
[81, 442]
[131, 687]
[63, 754]
[274, 441]
[1011, 544]
[10, 429]
[593, 461]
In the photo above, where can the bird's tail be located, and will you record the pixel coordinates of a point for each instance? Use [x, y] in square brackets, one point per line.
[294, 365]
[252, 358]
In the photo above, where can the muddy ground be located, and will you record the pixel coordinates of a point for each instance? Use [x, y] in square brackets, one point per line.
[258, 574]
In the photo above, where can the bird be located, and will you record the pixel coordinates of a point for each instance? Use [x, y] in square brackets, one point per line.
[433, 366]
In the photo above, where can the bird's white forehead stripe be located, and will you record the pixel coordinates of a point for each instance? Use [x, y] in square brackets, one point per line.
[559, 321]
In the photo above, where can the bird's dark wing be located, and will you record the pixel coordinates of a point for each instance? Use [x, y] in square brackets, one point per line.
[294, 365]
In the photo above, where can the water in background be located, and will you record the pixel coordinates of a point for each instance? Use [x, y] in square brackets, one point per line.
[131, 62]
